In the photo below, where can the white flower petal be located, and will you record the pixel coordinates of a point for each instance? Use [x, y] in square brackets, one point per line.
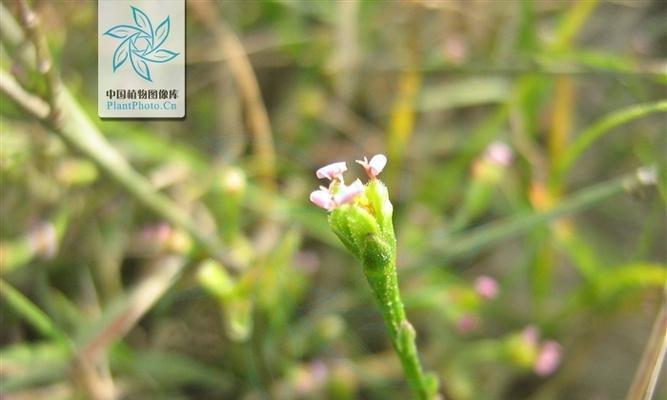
[377, 164]
[322, 198]
[348, 193]
[331, 171]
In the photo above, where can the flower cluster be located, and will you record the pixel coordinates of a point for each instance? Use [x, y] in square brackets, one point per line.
[338, 193]
[359, 214]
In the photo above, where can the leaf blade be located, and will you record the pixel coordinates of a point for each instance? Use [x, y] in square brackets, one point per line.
[30, 311]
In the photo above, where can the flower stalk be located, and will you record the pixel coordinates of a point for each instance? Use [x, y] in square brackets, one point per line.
[361, 217]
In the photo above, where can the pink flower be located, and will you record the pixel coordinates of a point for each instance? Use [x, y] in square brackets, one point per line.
[323, 198]
[456, 49]
[156, 233]
[309, 378]
[467, 324]
[348, 193]
[530, 335]
[486, 287]
[548, 359]
[374, 166]
[332, 171]
[319, 371]
[499, 153]
[338, 193]
[43, 240]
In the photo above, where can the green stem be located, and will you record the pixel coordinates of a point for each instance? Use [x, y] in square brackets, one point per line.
[383, 281]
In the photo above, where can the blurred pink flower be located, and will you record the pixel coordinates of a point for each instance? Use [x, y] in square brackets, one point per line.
[319, 371]
[486, 287]
[310, 377]
[456, 49]
[43, 239]
[156, 233]
[548, 359]
[467, 323]
[499, 153]
[530, 335]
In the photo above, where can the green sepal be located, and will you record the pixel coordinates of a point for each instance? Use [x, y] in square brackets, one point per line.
[353, 224]
[378, 198]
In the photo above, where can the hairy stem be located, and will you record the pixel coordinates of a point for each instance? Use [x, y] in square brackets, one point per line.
[382, 278]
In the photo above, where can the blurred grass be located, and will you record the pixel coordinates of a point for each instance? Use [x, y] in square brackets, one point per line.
[178, 272]
[32, 314]
[586, 138]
